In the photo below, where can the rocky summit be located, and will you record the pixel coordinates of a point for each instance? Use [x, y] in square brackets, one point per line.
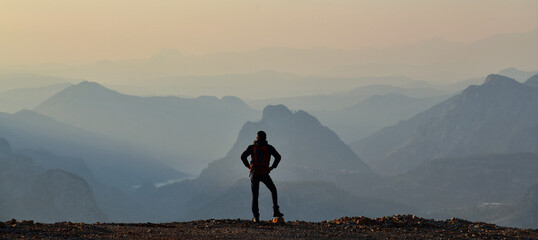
[394, 227]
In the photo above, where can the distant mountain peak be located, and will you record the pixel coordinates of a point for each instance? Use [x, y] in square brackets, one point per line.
[233, 100]
[87, 88]
[88, 84]
[496, 79]
[276, 110]
[280, 113]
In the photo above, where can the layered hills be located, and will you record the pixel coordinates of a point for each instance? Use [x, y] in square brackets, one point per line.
[374, 113]
[312, 151]
[111, 161]
[498, 116]
[316, 167]
[30, 192]
[191, 130]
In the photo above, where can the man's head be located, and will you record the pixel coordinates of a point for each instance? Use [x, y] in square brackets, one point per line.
[261, 136]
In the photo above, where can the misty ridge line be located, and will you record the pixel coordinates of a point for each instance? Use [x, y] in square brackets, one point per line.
[432, 61]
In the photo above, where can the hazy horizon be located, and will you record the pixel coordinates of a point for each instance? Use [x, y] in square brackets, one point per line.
[82, 32]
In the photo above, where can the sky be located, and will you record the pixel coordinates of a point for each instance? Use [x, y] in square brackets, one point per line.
[86, 31]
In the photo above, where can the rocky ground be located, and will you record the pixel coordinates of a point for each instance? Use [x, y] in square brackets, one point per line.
[394, 227]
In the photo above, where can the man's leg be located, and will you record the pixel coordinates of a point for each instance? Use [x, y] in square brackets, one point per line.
[266, 179]
[255, 187]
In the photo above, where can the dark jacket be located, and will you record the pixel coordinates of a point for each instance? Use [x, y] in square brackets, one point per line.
[271, 149]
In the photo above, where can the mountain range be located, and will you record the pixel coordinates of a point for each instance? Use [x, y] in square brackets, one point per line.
[374, 113]
[348, 98]
[314, 159]
[111, 161]
[498, 116]
[183, 133]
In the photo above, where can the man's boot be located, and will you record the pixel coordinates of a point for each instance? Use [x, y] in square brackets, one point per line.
[276, 212]
[256, 219]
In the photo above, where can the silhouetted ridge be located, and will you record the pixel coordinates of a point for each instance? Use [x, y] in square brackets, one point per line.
[233, 100]
[276, 111]
[309, 150]
[497, 79]
[532, 81]
[281, 114]
[90, 87]
[82, 91]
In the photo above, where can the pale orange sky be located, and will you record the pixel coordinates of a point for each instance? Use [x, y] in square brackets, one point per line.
[77, 31]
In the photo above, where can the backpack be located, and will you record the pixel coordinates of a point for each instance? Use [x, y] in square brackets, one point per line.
[260, 160]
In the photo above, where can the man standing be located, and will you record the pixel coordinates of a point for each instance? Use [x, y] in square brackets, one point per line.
[260, 154]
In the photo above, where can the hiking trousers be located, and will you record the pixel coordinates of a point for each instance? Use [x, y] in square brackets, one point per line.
[255, 180]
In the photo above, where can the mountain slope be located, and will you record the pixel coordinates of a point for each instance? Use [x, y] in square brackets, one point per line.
[348, 98]
[29, 192]
[498, 116]
[443, 185]
[376, 112]
[171, 128]
[532, 81]
[310, 152]
[517, 74]
[111, 161]
[27, 98]
[523, 215]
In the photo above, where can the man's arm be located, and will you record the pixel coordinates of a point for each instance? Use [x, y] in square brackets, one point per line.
[244, 156]
[276, 155]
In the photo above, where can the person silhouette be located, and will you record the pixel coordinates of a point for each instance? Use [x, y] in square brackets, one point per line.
[260, 154]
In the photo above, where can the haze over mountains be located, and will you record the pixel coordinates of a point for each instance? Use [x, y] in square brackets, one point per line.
[138, 111]
[111, 161]
[484, 187]
[436, 60]
[317, 166]
[370, 115]
[498, 116]
[472, 155]
[27, 98]
[30, 192]
[193, 130]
